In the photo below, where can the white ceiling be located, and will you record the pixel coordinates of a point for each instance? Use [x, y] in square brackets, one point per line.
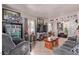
[45, 10]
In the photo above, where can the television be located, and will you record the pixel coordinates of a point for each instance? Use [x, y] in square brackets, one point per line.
[14, 30]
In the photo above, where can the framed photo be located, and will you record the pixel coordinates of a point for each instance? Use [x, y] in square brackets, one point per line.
[8, 14]
[60, 27]
[40, 24]
[40, 21]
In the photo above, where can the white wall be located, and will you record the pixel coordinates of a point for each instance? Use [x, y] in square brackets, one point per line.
[52, 26]
[78, 17]
[71, 24]
[55, 28]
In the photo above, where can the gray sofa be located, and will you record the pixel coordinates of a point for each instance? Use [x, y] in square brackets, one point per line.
[9, 48]
[67, 47]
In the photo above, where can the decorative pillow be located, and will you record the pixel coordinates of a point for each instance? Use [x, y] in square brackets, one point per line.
[75, 50]
[72, 38]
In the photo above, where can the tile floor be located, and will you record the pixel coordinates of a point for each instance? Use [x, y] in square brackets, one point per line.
[39, 48]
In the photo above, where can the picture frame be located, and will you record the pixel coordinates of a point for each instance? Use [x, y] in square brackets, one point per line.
[59, 27]
[40, 24]
[40, 20]
[6, 14]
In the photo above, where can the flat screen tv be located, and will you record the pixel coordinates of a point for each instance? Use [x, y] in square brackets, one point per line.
[14, 29]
